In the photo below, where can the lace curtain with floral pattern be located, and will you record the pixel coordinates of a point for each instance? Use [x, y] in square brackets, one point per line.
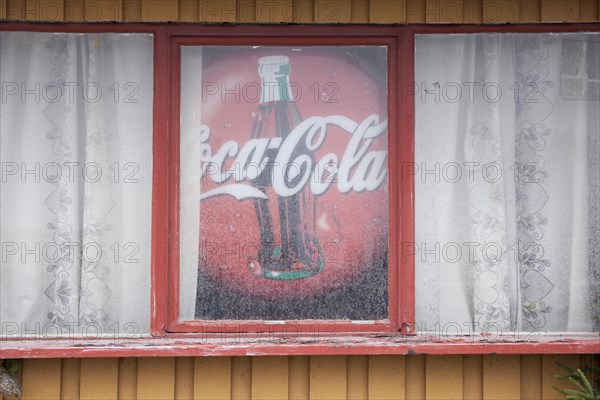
[75, 196]
[507, 182]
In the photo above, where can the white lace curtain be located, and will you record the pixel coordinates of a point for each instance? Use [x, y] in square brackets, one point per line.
[75, 197]
[507, 182]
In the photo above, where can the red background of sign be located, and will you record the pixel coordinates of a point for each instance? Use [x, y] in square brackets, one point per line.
[353, 226]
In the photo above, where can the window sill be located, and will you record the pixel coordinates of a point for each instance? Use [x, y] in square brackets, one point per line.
[266, 344]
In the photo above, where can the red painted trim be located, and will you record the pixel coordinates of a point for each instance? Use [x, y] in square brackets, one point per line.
[406, 283]
[160, 181]
[328, 39]
[324, 343]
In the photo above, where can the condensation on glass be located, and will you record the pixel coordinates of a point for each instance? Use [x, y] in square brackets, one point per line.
[284, 183]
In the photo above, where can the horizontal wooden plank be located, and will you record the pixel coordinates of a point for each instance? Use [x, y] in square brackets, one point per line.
[366, 344]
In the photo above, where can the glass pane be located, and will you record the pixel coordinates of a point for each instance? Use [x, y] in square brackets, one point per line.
[507, 147]
[284, 194]
[76, 188]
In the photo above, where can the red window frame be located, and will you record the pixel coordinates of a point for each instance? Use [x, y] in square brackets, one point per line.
[395, 336]
[303, 36]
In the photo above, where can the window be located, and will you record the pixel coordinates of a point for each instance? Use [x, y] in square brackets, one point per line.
[221, 191]
[284, 185]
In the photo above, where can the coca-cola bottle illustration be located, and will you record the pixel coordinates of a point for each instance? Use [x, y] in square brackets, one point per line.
[288, 248]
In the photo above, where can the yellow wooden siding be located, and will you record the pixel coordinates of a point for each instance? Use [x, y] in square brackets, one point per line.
[322, 11]
[315, 377]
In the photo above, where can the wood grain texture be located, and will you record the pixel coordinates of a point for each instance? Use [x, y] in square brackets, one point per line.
[560, 10]
[415, 11]
[128, 378]
[387, 377]
[327, 377]
[41, 379]
[99, 377]
[218, 11]
[550, 369]
[303, 11]
[132, 10]
[241, 378]
[501, 377]
[333, 11]
[444, 11]
[160, 10]
[189, 10]
[69, 378]
[472, 377]
[357, 375]
[530, 11]
[103, 10]
[531, 377]
[15, 9]
[270, 378]
[588, 10]
[212, 378]
[501, 11]
[387, 11]
[472, 12]
[415, 377]
[274, 11]
[299, 377]
[156, 378]
[44, 10]
[443, 377]
[360, 11]
[184, 378]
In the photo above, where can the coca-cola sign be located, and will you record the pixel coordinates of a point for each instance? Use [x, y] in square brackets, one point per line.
[287, 151]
